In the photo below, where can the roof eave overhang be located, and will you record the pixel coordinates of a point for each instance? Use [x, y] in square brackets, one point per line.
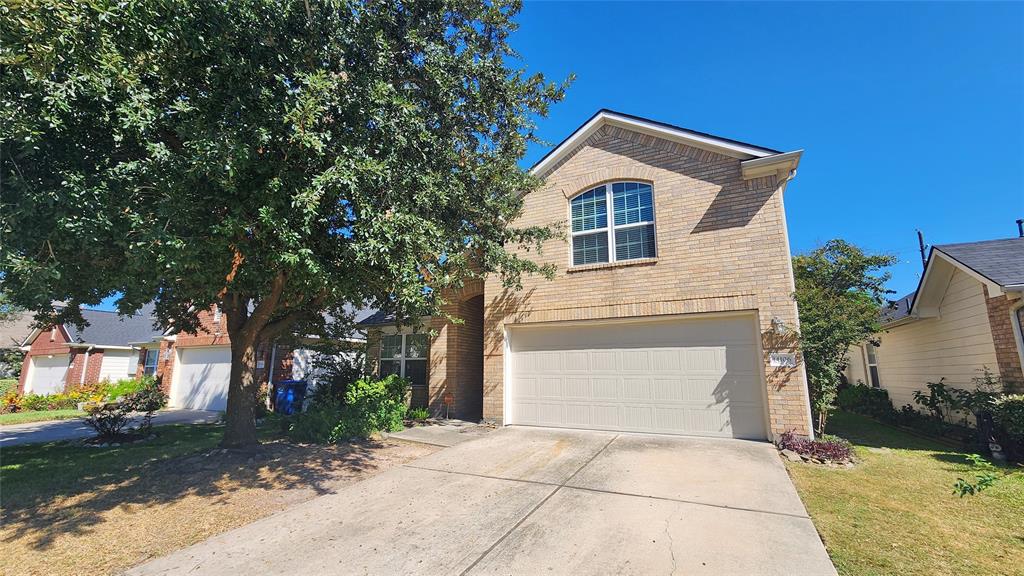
[781, 165]
[606, 117]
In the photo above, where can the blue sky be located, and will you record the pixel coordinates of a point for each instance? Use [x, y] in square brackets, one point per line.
[911, 115]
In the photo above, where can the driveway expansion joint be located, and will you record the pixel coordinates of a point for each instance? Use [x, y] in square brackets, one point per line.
[535, 508]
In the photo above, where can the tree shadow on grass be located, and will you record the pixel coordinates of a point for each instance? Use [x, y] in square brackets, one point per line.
[77, 505]
[865, 431]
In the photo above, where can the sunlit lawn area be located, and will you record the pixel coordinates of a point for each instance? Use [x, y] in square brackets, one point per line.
[39, 416]
[894, 513]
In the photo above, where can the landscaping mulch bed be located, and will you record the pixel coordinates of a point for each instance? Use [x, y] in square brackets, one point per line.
[69, 509]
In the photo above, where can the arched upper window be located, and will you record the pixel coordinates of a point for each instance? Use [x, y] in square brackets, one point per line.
[619, 214]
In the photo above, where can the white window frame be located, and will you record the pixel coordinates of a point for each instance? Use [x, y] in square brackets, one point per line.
[610, 228]
[401, 358]
[869, 351]
[155, 353]
[1018, 329]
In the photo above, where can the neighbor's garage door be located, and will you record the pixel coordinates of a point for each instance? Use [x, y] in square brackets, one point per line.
[201, 378]
[46, 374]
[696, 376]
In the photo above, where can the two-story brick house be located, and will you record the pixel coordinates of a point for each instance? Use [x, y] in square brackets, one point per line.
[671, 310]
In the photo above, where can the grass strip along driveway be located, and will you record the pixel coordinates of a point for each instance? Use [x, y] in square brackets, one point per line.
[894, 513]
[39, 416]
[69, 509]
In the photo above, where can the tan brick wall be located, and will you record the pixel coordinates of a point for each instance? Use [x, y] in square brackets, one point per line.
[722, 246]
[456, 360]
[1007, 355]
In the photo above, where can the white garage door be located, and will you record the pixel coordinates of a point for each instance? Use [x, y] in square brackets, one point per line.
[118, 364]
[696, 376]
[201, 378]
[46, 374]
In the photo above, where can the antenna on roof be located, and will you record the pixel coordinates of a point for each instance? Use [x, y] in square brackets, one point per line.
[920, 244]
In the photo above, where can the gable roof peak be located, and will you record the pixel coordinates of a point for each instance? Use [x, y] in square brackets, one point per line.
[606, 117]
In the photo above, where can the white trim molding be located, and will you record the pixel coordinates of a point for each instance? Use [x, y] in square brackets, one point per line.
[651, 128]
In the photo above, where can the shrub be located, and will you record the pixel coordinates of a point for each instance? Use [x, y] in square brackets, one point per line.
[126, 386]
[148, 400]
[108, 419]
[866, 400]
[317, 423]
[417, 413]
[827, 447]
[369, 405]
[1008, 413]
[8, 385]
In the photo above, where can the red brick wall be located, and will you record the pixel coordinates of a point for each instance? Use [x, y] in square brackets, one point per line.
[89, 362]
[1005, 341]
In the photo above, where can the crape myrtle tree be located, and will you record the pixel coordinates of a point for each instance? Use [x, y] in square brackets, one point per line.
[275, 158]
[840, 292]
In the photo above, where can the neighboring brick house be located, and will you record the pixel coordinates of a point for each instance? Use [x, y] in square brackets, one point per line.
[62, 357]
[965, 316]
[671, 309]
[193, 369]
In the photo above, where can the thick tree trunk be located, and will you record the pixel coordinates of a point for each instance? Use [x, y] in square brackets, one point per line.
[243, 389]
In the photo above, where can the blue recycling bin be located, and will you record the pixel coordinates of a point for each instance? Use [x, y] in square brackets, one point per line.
[288, 396]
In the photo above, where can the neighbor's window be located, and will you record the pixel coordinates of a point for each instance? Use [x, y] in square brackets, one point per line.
[620, 214]
[405, 355]
[149, 367]
[872, 365]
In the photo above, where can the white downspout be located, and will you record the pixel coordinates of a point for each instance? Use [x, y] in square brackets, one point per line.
[85, 366]
[270, 372]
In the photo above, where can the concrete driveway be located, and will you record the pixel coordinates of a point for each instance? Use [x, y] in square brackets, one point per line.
[540, 501]
[57, 430]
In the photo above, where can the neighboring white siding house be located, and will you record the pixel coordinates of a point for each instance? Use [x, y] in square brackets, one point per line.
[961, 320]
[953, 345]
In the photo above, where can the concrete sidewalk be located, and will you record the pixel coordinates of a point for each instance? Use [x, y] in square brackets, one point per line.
[540, 501]
[58, 430]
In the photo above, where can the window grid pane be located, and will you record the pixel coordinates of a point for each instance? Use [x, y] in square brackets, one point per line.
[633, 202]
[389, 367]
[590, 249]
[590, 210]
[634, 243]
[416, 346]
[416, 372]
[391, 346]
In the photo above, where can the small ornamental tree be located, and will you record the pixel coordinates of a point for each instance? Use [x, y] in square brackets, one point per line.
[840, 292]
[274, 158]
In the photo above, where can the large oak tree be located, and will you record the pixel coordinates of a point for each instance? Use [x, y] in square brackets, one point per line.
[276, 158]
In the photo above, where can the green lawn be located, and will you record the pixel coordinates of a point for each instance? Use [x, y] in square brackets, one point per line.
[894, 513]
[39, 416]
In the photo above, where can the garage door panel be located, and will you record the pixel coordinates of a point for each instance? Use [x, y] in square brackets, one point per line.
[550, 388]
[201, 378]
[636, 389]
[606, 388]
[679, 377]
[578, 388]
[635, 361]
[604, 362]
[47, 374]
[665, 360]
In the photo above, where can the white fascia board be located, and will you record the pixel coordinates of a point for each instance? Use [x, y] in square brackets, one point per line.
[703, 142]
[782, 164]
[31, 337]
